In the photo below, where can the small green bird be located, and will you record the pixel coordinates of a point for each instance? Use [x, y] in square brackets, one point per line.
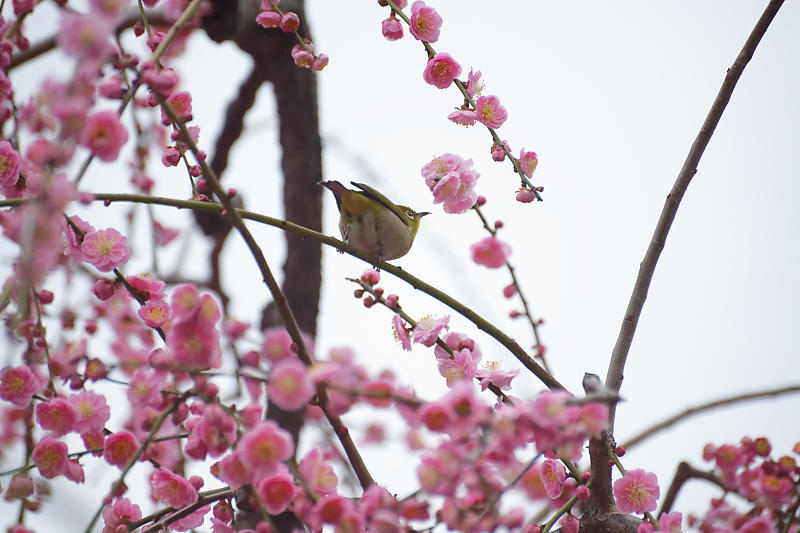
[373, 224]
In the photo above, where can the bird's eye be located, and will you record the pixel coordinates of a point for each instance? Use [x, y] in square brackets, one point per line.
[410, 214]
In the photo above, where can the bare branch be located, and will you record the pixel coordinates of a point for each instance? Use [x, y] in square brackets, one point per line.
[691, 411]
[648, 264]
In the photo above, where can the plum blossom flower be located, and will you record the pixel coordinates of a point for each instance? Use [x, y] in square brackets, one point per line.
[400, 332]
[465, 117]
[104, 135]
[118, 513]
[105, 249]
[93, 409]
[489, 111]
[391, 28]
[19, 384]
[172, 489]
[492, 374]
[451, 179]
[268, 19]
[460, 368]
[427, 330]
[119, 448]
[317, 474]
[9, 164]
[85, 36]
[290, 386]
[264, 447]
[527, 162]
[425, 22]
[290, 22]
[553, 476]
[50, 457]
[474, 84]
[441, 70]
[276, 491]
[57, 416]
[636, 492]
[233, 471]
[491, 252]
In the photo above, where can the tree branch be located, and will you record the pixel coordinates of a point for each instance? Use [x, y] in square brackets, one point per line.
[648, 264]
[691, 411]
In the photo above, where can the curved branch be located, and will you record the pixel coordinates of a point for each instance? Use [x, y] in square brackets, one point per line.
[510, 344]
[691, 411]
[648, 264]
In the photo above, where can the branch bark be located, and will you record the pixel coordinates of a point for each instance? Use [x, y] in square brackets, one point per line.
[648, 265]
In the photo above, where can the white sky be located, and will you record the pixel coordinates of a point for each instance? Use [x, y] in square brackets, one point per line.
[611, 97]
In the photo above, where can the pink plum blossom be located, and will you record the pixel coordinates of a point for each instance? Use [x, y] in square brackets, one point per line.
[212, 433]
[290, 386]
[528, 162]
[636, 492]
[290, 22]
[172, 489]
[85, 36]
[58, 416]
[104, 135]
[105, 249]
[276, 491]
[119, 513]
[317, 474]
[391, 28]
[265, 447]
[9, 164]
[50, 457]
[525, 195]
[474, 84]
[441, 70]
[181, 103]
[553, 476]
[93, 409]
[491, 252]
[233, 471]
[425, 22]
[458, 368]
[427, 330]
[19, 384]
[120, 447]
[489, 111]
[155, 313]
[465, 117]
[492, 374]
[400, 332]
[268, 19]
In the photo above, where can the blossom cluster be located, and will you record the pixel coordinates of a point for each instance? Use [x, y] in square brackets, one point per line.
[750, 471]
[272, 16]
[441, 71]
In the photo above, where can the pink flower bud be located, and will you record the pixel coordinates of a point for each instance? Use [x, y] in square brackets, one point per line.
[290, 22]
[103, 289]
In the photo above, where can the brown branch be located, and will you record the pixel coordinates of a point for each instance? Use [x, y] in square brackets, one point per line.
[691, 411]
[684, 473]
[648, 264]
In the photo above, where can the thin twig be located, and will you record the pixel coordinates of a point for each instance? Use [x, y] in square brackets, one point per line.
[648, 264]
[691, 411]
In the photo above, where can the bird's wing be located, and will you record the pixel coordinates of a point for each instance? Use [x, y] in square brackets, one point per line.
[378, 197]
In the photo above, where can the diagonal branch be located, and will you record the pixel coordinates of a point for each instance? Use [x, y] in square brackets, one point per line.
[648, 264]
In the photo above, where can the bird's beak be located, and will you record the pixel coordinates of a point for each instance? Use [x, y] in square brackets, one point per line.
[420, 215]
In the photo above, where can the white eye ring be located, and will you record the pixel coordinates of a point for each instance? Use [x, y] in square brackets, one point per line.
[410, 214]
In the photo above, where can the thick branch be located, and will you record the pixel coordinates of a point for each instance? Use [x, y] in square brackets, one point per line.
[648, 264]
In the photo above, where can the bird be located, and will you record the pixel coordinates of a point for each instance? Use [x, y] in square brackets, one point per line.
[373, 224]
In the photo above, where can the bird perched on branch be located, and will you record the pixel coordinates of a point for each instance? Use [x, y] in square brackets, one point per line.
[373, 224]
